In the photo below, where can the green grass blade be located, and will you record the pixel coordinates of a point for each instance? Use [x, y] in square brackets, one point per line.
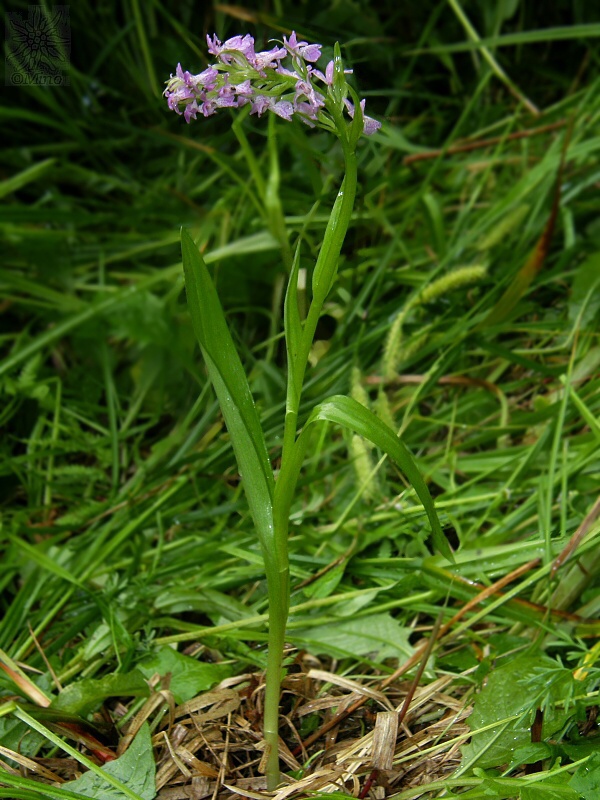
[26, 176]
[57, 741]
[231, 386]
[518, 39]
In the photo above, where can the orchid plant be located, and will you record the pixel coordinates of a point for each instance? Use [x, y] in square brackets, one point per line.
[285, 82]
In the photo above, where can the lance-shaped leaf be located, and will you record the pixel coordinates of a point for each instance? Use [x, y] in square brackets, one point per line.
[352, 415]
[231, 387]
[325, 270]
[293, 328]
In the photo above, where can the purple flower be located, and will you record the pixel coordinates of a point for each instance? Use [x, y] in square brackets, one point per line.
[283, 108]
[268, 59]
[190, 111]
[244, 45]
[313, 99]
[329, 70]
[185, 89]
[281, 70]
[244, 92]
[184, 77]
[245, 88]
[370, 125]
[207, 79]
[306, 113]
[260, 104]
[208, 107]
[175, 98]
[226, 95]
[304, 50]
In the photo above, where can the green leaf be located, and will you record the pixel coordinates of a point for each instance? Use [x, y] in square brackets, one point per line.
[15, 735]
[293, 327]
[357, 125]
[515, 690]
[586, 780]
[231, 387]
[530, 753]
[549, 790]
[325, 271]
[189, 677]
[378, 636]
[325, 584]
[86, 695]
[340, 86]
[135, 769]
[509, 788]
[491, 789]
[347, 412]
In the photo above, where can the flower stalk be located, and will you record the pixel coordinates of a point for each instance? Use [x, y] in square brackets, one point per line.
[284, 81]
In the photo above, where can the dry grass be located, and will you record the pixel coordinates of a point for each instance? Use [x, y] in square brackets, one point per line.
[212, 745]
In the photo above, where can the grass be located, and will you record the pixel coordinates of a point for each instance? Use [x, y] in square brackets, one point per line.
[124, 528]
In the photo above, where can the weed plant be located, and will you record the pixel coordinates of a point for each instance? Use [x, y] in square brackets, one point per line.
[465, 314]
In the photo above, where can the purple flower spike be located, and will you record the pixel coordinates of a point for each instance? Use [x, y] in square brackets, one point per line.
[241, 76]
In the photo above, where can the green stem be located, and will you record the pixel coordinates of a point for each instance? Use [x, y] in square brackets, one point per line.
[279, 602]
[326, 266]
[278, 576]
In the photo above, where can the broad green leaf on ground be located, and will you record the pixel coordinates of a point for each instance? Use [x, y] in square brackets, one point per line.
[135, 769]
[516, 690]
[555, 788]
[189, 677]
[378, 636]
[549, 790]
[84, 696]
[530, 753]
[231, 387]
[586, 780]
[17, 736]
[584, 747]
